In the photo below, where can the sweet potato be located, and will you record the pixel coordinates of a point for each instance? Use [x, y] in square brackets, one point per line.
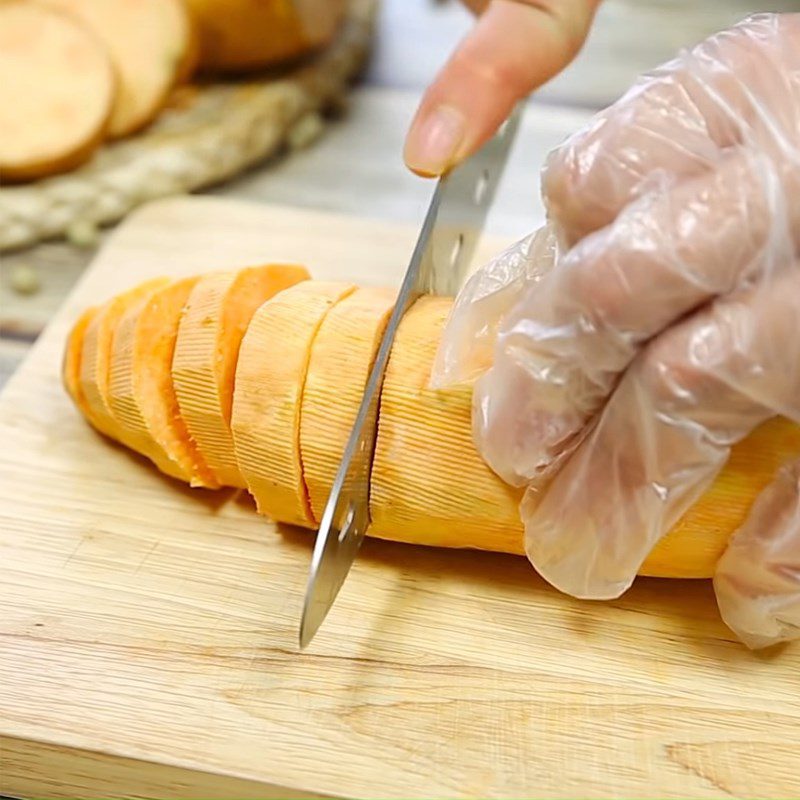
[339, 364]
[273, 362]
[141, 395]
[218, 312]
[57, 87]
[300, 371]
[151, 44]
[95, 360]
[245, 34]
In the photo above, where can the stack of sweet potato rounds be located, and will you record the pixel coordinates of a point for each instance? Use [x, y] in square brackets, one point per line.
[75, 73]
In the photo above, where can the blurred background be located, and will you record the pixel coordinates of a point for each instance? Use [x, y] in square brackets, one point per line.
[342, 153]
[412, 41]
[628, 37]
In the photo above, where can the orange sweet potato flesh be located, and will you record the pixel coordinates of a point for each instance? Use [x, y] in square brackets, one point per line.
[217, 314]
[267, 401]
[95, 360]
[71, 365]
[339, 363]
[141, 394]
[300, 371]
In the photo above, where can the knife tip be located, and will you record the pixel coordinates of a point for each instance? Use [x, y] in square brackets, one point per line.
[307, 631]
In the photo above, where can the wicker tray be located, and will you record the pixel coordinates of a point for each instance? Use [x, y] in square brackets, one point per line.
[209, 133]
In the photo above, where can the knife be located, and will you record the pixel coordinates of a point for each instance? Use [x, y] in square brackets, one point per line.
[439, 263]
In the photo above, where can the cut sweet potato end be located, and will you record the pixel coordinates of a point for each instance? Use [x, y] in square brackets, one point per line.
[71, 365]
[124, 376]
[142, 396]
[249, 290]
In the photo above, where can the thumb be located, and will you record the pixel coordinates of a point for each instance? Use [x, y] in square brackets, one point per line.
[758, 577]
[516, 46]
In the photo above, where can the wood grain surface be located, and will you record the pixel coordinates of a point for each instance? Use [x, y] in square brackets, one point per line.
[148, 631]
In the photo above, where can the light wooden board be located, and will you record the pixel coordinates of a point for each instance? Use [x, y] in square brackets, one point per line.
[147, 631]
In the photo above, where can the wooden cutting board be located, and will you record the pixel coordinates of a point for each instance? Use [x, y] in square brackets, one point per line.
[147, 631]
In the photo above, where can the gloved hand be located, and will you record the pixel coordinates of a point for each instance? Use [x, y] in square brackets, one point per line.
[653, 324]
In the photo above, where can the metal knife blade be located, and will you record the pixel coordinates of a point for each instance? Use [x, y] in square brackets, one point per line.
[441, 257]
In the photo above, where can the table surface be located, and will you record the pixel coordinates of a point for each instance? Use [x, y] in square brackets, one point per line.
[357, 169]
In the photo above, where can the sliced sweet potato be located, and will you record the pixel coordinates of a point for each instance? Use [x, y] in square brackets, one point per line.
[272, 367]
[217, 314]
[141, 394]
[95, 358]
[341, 357]
[71, 365]
[428, 483]
[149, 42]
[57, 87]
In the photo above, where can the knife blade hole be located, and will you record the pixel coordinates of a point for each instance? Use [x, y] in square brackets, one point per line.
[481, 185]
[456, 251]
[347, 523]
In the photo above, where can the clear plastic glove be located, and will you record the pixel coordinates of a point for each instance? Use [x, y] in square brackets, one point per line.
[622, 374]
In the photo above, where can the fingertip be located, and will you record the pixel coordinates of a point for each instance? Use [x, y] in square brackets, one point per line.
[434, 140]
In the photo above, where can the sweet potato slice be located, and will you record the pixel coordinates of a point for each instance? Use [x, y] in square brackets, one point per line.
[71, 365]
[217, 314]
[148, 41]
[141, 395]
[95, 358]
[56, 91]
[273, 362]
[341, 357]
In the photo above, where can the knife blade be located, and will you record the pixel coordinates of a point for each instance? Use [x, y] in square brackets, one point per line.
[439, 263]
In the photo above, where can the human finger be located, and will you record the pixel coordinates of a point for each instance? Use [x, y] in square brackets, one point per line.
[515, 46]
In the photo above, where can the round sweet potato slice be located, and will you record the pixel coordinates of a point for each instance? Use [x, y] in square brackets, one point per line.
[150, 42]
[57, 88]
